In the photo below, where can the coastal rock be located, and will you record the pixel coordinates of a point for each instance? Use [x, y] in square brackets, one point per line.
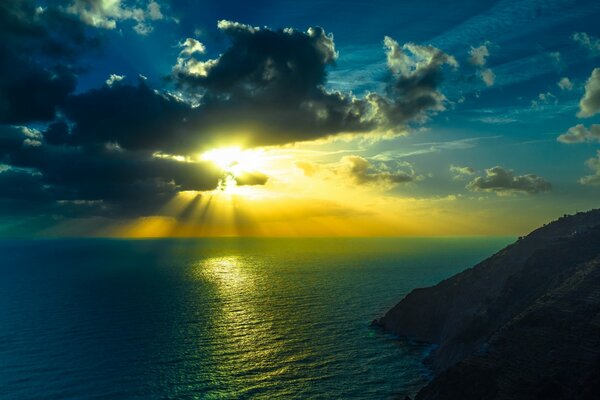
[523, 324]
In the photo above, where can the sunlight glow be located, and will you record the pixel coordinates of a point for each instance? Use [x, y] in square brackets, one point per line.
[293, 202]
[235, 160]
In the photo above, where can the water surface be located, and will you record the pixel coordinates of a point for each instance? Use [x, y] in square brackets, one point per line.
[225, 318]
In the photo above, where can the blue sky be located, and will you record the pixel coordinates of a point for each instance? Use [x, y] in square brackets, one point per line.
[514, 75]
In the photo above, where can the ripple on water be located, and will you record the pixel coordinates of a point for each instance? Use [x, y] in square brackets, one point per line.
[214, 318]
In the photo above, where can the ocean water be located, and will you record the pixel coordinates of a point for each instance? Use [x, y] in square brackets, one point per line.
[226, 318]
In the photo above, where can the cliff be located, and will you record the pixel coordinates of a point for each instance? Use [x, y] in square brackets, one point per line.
[523, 324]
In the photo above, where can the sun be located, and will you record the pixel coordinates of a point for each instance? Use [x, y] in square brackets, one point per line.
[240, 167]
[235, 160]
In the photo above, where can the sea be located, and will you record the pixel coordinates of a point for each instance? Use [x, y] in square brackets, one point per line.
[216, 318]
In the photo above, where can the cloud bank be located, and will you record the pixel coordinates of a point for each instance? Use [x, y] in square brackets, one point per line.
[126, 148]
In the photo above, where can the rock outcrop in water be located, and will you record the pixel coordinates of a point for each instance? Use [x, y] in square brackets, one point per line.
[523, 324]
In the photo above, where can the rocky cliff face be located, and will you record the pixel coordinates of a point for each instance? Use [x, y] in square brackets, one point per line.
[523, 324]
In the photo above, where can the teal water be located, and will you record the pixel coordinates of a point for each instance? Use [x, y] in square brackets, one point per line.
[223, 318]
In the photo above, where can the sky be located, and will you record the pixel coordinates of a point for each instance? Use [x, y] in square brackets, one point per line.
[151, 118]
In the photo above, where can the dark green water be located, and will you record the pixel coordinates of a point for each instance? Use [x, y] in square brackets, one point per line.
[214, 318]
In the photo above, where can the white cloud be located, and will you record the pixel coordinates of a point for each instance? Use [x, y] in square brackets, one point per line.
[565, 84]
[224, 24]
[478, 55]
[461, 173]
[543, 99]
[33, 137]
[594, 165]
[154, 11]
[114, 78]
[580, 134]
[106, 13]
[190, 46]
[590, 43]
[411, 59]
[589, 105]
[488, 76]
[186, 63]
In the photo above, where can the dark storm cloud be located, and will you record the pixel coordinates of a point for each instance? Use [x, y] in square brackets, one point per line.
[22, 186]
[270, 84]
[57, 133]
[36, 47]
[23, 193]
[503, 181]
[135, 117]
[117, 181]
[413, 90]
[29, 92]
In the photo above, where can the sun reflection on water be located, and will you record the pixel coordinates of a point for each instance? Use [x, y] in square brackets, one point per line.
[244, 325]
[226, 273]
